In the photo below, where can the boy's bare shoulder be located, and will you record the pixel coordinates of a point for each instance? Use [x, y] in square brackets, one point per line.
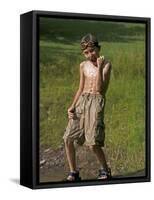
[82, 64]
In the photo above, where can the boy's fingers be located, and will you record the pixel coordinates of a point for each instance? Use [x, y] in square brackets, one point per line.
[70, 115]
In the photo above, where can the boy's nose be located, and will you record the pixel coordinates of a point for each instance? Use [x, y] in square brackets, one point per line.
[90, 54]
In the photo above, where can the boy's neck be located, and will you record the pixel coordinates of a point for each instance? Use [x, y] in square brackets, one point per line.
[93, 62]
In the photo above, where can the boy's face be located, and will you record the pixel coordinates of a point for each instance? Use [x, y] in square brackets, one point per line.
[91, 53]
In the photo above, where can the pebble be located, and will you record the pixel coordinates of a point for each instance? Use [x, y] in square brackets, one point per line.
[42, 162]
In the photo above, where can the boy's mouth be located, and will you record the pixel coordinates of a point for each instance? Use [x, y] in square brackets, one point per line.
[93, 59]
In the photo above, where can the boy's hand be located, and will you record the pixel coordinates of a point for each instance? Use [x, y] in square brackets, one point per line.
[70, 112]
[100, 61]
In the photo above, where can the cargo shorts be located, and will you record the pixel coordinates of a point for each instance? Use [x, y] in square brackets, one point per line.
[87, 127]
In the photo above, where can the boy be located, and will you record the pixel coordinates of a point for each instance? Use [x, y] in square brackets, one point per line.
[86, 114]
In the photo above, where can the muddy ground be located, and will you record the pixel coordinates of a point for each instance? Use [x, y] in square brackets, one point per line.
[54, 166]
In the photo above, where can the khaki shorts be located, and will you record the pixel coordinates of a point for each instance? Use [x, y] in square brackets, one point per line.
[88, 124]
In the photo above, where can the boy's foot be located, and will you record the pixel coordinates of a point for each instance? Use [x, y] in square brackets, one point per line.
[104, 174]
[73, 176]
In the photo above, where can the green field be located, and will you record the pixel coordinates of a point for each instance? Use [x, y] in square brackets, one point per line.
[60, 55]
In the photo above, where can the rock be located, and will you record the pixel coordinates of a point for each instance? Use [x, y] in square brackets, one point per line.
[42, 162]
[47, 150]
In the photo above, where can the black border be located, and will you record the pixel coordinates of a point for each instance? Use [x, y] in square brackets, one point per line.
[32, 23]
[26, 160]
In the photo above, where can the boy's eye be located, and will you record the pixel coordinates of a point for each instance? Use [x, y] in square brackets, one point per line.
[86, 52]
[91, 50]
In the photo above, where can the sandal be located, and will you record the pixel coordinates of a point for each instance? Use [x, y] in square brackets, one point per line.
[73, 176]
[104, 175]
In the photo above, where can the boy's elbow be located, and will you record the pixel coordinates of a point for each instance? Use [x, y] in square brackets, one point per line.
[110, 65]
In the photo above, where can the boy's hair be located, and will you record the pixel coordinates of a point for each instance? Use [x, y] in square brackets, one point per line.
[89, 40]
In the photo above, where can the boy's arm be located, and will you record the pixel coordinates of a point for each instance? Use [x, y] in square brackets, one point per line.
[81, 85]
[102, 81]
[106, 75]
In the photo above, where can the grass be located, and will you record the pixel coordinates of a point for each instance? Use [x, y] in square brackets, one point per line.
[125, 108]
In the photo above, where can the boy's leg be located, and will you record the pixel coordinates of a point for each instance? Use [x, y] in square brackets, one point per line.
[100, 156]
[73, 132]
[70, 153]
[105, 171]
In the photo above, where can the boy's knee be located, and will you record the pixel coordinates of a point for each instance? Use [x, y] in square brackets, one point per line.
[68, 141]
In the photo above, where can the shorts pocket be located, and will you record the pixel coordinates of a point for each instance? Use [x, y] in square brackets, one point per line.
[100, 103]
[74, 124]
[99, 109]
[73, 128]
[100, 134]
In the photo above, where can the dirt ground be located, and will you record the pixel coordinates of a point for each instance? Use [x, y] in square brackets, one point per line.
[54, 166]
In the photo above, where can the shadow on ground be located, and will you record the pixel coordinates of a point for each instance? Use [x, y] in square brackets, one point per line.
[15, 180]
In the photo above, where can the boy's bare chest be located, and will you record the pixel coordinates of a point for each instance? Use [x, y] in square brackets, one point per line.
[90, 70]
